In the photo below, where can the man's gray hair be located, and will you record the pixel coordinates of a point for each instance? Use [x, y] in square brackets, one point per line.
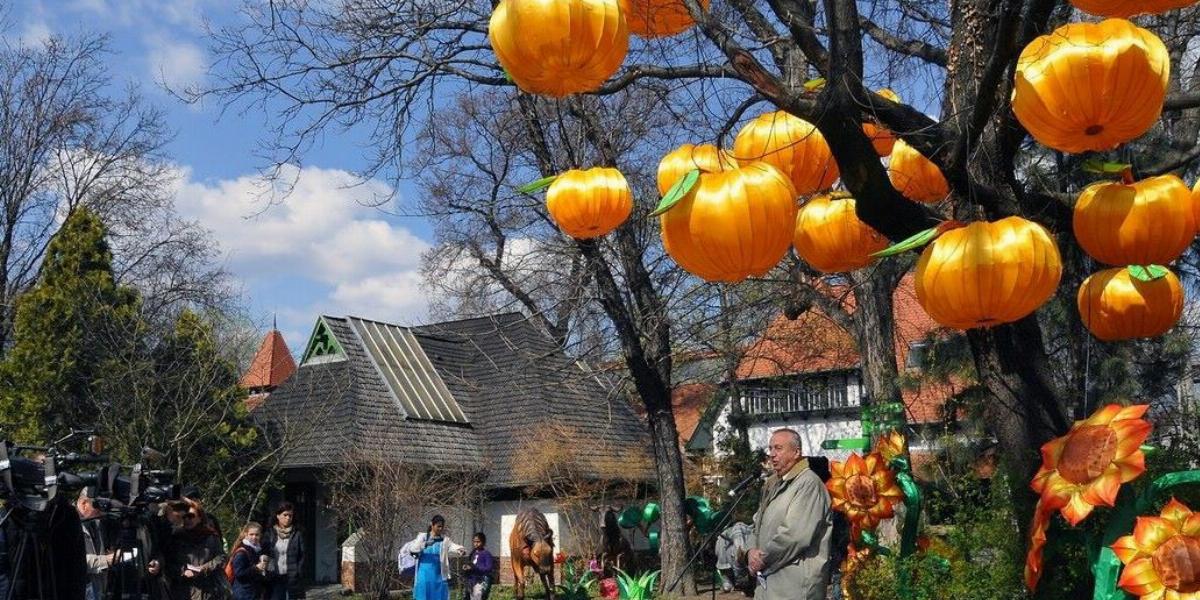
[792, 434]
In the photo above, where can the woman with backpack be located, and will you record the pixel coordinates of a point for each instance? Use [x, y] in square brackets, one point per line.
[194, 557]
[247, 564]
[284, 544]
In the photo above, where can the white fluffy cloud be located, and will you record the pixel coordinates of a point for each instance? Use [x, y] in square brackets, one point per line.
[324, 239]
[176, 64]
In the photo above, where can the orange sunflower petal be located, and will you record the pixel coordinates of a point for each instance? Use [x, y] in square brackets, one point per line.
[1102, 491]
[1103, 416]
[1151, 532]
[855, 464]
[1037, 543]
[1135, 411]
[1132, 466]
[1076, 510]
[1139, 578]
[1052, 450]
[1131, 433]
[1177, 513]
[1126, 549]
[837, 469]
[1191, 526]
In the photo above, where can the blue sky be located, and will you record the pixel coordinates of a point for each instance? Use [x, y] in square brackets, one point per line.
[322, 250]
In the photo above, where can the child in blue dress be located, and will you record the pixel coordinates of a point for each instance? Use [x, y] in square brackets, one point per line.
[432, 552]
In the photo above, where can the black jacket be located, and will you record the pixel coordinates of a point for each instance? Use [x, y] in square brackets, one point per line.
[295, 553]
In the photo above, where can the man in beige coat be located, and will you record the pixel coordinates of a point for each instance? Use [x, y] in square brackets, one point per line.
[793, 527]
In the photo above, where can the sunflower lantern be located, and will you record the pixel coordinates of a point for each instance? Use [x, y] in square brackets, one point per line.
[864, 489]
[915, 176]
[559, 47]
[830, 237]
[1091, 86]
[985, 274]
[732, 224]
[792, 145]
[1162, 557]
[591, 203]
[1130, 303]
[1135, 223]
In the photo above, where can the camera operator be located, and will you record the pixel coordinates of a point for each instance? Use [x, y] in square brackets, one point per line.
[96, 549]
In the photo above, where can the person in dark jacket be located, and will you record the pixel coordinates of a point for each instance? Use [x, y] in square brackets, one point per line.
[195, 559]
[478, 568]
[284, 545]
[249, 563]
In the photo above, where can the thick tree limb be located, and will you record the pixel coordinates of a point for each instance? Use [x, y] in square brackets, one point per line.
[914, 48]
[798, 17]
[636, 73]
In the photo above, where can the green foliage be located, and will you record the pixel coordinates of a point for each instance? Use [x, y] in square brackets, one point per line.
[976, 556]
[577, 581]
[67, 334]
[639, 587]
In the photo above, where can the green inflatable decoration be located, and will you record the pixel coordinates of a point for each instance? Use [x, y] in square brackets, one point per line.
[653, 536]
[630, 517]
[651, 513]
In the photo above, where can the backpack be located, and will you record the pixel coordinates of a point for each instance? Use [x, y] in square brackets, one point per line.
[229, 563]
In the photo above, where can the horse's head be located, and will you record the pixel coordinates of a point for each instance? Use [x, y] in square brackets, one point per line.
[541, 552]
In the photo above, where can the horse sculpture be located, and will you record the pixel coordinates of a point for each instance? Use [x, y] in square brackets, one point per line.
[615, 550]
[531, 544]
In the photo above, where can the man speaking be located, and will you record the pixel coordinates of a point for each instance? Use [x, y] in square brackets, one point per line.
[793, 527]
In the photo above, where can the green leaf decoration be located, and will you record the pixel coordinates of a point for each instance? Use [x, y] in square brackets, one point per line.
[1148, 272]
[813, 85]
[677, 192]
[507, 77]
[537, 186]
[1101, 167]
[916, 241]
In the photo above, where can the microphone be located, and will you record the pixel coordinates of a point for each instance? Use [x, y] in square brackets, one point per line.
[735, 490]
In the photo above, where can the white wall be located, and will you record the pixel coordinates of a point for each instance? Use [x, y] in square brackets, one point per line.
[813, 431]
[498, 518]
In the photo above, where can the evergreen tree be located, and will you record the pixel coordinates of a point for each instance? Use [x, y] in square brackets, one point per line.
[71, 328]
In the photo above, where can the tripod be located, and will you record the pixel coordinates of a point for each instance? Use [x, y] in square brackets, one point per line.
[44, 548]
[726, 515]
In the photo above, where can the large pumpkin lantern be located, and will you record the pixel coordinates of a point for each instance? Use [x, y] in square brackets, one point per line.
[1091, 86]
[1146, 222]
[880, 137]
[792, 145]
[1115, 305]
[688, 157]
[830, 237]
[1129, 8]
[986, 274]
[591, 203]
[559, 47]
[915, 176]
[658, 18]
[732, 224]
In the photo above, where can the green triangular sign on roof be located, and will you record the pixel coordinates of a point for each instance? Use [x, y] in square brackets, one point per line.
[322, 343]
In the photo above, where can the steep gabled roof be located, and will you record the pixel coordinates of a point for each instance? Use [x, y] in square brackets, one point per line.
[272, 365]
[510, 380]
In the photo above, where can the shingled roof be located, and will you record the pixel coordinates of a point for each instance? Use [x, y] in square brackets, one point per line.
[272, 364]
[510, 380]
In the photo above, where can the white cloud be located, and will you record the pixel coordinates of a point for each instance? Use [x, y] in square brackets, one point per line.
[35, 34]
[175, 64]
[323, 237]
[134, 12]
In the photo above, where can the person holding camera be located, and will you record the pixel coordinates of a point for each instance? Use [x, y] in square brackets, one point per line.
[99, 558]
[433, 561]
[249, 564]
[284, 544]
[195, 556]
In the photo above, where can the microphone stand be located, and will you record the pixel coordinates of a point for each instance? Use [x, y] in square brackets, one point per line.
[728, 514]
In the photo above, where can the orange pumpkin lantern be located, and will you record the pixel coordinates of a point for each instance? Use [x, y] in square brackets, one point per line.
[1091, 86]
[1148, 222]
[733, 224]
[1196, 203]
[1129, 8]
[985, 274]
[1115, 305]
[591, 203]
[830, 237]
[915, 176]
[880, 137]
[792, 145]
[658, 18]
[688, 157]
[559, 47]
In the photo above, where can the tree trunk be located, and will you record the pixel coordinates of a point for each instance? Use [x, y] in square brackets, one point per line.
[875, 329]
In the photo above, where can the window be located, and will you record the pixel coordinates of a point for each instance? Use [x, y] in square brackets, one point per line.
[827, 391]
[916, 355]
